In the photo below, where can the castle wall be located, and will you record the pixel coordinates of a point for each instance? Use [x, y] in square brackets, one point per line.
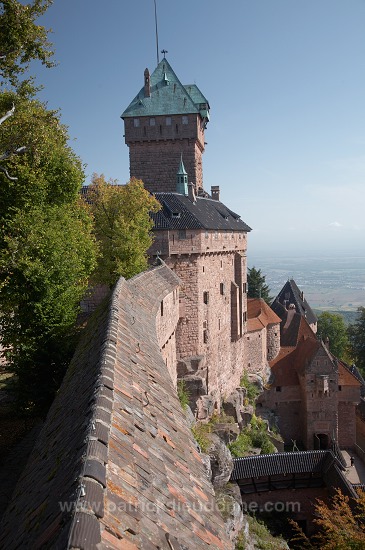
[273, 341]
[208, 263]
[346, 424]
[299, 504]
[319, 389]
[255, 351]
[167, 318]
[155, 151]
[285, 401]
[195, 241]
[360, 433]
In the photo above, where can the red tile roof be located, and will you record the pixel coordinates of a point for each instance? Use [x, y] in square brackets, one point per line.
[260, 315]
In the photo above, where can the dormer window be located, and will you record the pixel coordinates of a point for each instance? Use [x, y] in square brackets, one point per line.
[136, 122]
[175, 214]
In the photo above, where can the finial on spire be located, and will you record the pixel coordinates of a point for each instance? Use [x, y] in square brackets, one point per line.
[164, 53]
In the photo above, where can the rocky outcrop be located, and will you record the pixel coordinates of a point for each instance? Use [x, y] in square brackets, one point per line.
[221, 461]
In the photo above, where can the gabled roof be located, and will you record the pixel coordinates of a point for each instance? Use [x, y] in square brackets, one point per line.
[297, 329]
[179, 212]
[167, 96]
[260, 315]
[290, 294]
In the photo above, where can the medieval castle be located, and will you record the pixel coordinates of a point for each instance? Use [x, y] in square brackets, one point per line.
[220, 333]
[116, 466]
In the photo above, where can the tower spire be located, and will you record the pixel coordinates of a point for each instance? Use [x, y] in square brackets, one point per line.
[182, 179]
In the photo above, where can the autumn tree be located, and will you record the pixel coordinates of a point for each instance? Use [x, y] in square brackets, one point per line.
[122, 227]
[256, 285]
[356, 333]
[332, 326]
[341, 525]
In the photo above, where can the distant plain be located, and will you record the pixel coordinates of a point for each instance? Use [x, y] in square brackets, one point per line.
[329, 283]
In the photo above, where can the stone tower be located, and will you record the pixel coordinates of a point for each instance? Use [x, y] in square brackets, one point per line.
[166, 120]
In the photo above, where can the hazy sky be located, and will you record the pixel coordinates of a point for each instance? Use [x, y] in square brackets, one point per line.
[286, 84]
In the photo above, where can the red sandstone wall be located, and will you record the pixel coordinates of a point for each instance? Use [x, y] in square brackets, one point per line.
[293, 500]
[208, 262]
[155, 151]
[346, 424]
[166, 323]
[273, 341]
[255, 352]
[360, 432]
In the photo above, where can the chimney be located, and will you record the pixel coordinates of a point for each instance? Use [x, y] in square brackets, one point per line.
[147, 86]
[191, 192]
[214, 191]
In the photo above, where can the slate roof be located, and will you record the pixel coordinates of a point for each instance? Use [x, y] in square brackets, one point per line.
[116, 450]
[297, 330]
[168, 96]
[280, 463]
[293, 295]
[324, 462]
[179, 212]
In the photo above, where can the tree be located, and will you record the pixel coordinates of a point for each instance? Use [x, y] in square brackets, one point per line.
[341, 524]
[332, 326]
[356, 333]
[257, 287]
[22, 40]
[122, 227]
[47, 251]
[46, 257]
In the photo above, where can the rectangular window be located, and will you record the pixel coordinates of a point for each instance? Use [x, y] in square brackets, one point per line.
[136, 122]
[221, 288]
[182, 234]
[152, 122]
[206, 297]
[205, 336]
[162, 308]
[168, 121]
[278, 388]
[185, 120]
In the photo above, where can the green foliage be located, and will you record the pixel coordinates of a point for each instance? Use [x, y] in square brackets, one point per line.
[241, 543]
[49, 171]
[21, 39]
[201, 430]
[356, 333]
[252, 390]
[46, 257]
[122, 227]
[332, 326]
[183, 393]
[262, 536]
[254, 435]
[201, 433]
[256, 285]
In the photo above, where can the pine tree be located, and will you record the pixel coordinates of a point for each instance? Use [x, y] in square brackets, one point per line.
[257, 287]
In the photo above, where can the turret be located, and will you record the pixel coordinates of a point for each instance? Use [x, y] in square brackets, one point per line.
[182, 179]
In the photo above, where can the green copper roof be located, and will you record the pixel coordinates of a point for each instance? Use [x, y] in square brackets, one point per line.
[168, 96]
[181, 170]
